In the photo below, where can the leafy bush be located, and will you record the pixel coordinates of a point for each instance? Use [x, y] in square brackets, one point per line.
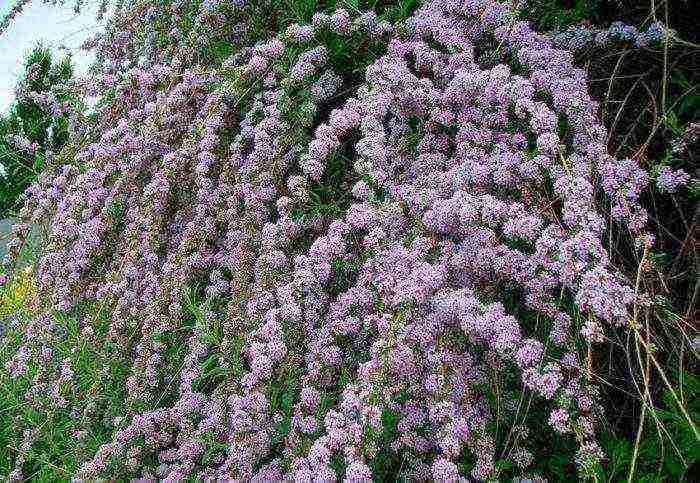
[36, 126]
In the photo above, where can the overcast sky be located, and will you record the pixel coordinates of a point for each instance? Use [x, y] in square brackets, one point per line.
[39, 22]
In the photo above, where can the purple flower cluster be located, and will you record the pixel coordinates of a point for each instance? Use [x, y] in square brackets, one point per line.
[687, 138]
[668, 179]
[188, 215]
[579, 37]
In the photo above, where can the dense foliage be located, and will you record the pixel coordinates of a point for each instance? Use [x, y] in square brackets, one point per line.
[332, 244]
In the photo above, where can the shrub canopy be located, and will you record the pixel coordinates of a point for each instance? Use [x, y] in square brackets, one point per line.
[355, 248]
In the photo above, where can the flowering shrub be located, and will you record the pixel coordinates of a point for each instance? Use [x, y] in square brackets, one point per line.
[36, 128]
[282, 268]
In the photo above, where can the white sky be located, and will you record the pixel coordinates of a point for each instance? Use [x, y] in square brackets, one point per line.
[39, 22]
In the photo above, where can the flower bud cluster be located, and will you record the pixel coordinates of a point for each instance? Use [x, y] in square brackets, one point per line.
[579, 37]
